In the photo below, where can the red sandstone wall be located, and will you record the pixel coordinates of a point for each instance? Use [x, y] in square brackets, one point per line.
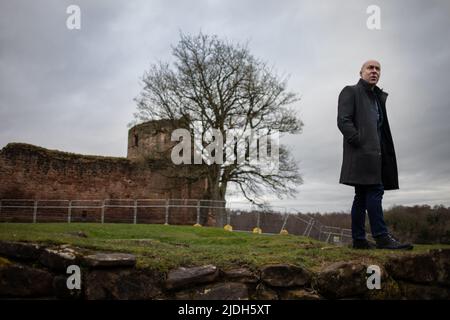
[151, 140]
[30, 172]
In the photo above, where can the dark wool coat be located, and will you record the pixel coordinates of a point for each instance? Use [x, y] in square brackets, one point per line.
[365, 159]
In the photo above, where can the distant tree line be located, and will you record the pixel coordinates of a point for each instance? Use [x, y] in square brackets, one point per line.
[420, 224]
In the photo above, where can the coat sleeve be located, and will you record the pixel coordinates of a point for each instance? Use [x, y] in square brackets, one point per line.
[346, 110]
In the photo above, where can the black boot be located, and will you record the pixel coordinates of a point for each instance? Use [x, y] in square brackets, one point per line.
[389, 242]
[362, 244]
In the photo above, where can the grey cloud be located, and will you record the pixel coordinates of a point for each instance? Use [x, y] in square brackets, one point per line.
[74, 90]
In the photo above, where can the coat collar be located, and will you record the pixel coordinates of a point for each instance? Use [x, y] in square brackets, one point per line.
[379, 92]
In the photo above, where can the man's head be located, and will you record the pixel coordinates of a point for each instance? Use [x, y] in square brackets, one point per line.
[370, 72]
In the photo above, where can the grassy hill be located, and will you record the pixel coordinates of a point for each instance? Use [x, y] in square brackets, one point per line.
[163, 247]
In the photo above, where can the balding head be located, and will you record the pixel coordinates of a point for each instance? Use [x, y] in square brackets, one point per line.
[370, 72]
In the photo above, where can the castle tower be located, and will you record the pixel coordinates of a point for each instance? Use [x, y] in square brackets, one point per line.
[150, 140]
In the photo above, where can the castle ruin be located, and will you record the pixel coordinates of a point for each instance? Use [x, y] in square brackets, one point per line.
[32, 172]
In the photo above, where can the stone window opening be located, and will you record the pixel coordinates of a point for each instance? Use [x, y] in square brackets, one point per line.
[136, 140]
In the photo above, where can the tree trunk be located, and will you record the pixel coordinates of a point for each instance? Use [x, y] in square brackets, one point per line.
[216, 193]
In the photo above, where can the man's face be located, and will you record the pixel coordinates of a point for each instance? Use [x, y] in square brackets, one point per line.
[370, 72]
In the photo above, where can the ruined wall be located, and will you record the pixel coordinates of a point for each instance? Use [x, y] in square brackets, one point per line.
[31, 172]
[151, 140]
[34, 270]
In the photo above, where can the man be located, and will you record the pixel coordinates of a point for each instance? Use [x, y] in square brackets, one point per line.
[369, 162]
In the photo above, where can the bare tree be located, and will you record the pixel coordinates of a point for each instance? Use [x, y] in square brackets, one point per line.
[222, 86]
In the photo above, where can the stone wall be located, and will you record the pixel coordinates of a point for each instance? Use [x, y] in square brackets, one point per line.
[35, 271]
[31, 172]
[152, 139]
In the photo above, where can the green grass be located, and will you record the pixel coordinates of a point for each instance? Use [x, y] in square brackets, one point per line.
[163, 247]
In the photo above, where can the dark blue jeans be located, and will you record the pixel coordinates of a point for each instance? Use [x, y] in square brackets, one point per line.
[368, 197]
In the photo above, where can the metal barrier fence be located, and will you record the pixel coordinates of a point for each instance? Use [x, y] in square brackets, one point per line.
[229, 215]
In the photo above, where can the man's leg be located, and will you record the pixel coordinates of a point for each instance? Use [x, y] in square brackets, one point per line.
[384, 240]
[374, 198]
[359, 213]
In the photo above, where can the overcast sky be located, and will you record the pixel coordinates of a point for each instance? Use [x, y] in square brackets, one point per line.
[73, 90]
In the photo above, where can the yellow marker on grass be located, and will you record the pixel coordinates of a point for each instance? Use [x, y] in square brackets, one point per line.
[257, 230]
